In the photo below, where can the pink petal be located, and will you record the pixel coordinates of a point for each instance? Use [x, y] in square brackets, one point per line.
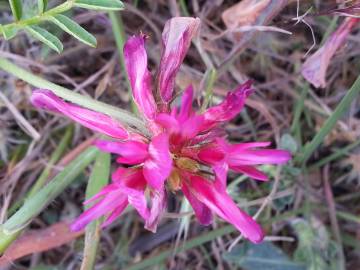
[107, 205]
[229, 108]
[99, 122]
[131, 152]
[209, 136]
[191, 127]
[257, 157]
[251, 171]
[168, 122]
[220, 203]
[132, 183]
[105, 190]
[221, 171]
[115, 214]
[158, 207]
[158, 166]
[314, 68]
[129, 177]
[136, 199]
[140, 77]
[176, 39]
[186, 104]
[212, 154]
[244, 146]
[202, 212]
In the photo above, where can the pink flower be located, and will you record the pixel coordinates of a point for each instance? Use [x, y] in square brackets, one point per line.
[315, 67]
[182, 144]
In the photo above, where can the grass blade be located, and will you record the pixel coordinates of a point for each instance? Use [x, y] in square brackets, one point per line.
[121, 115]
[343, 106]
[34, 205]
[98, 179]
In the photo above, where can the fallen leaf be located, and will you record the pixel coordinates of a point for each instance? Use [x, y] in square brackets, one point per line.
[34, 241]
[244, 13]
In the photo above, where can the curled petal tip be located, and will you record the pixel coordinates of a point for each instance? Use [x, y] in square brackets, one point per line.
[176, 37]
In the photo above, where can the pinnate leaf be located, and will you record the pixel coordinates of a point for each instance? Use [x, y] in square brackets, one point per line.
[100, 4]
[46, 37]
[73, 29]
[42, 4]
[16, 8]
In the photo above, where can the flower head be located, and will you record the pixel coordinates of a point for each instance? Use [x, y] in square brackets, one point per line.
[187, 151]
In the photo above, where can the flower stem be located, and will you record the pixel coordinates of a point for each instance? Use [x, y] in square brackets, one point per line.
[119, 35]
[98, 179]
[69, 95]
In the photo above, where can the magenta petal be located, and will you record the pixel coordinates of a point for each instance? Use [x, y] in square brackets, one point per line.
[176, 39]
[191, 127]
[131, 182]
[158, 166]
[99, 122]
[140, 77]
[202, 212]
[220, 203]
[136, 199]
[251, 171]
[131, 152]
[115, 214]
[247, 145]
[168, 122]
[314, 68]
[132, 178]
[257, 157]
[186, 104]
[158, 207]
[212, 154]
[221, 171]
[229, 108]
[108, 204]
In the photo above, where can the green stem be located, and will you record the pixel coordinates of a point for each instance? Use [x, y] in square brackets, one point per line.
[120, 37]
[330, 123]
[299, 107]
[184, 8]
[98, 179]
[41, 17]
[67, 94]
[210, 78]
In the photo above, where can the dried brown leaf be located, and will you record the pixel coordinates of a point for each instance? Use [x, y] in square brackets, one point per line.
[39, 241]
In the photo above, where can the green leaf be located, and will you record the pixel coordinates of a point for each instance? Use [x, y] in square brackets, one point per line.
[16, 8]
[74, 29]
[46, 37]
[287, 142]
[98, 179]
[264, 256]
[315, 248]
[9, 31]
[36, 204]
[42, 4]
[100, 4]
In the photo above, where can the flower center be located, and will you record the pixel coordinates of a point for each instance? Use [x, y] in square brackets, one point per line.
[187, 164]
[181, 164]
